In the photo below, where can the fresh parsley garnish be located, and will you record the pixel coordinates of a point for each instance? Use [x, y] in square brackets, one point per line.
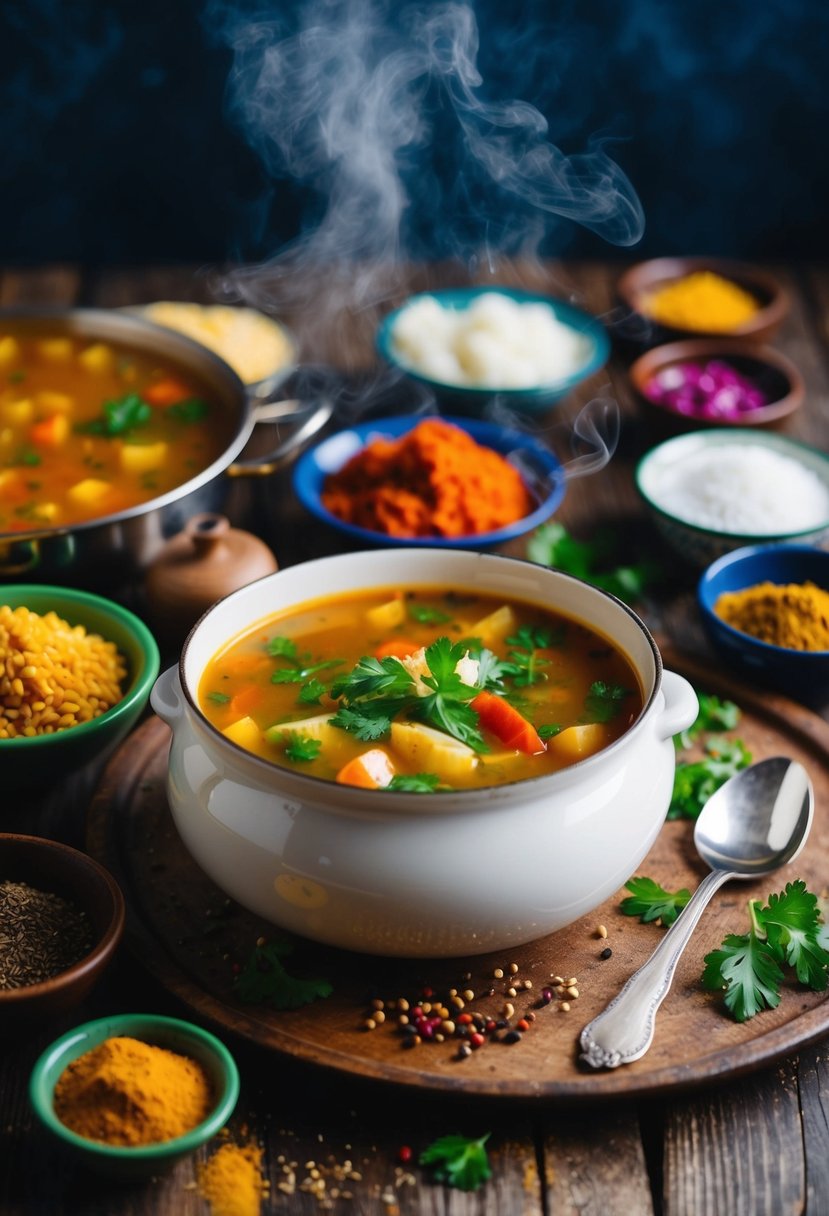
[311, 692]
[524, 664]
[415, 783]
[367, 722]
[191, 410]
[302, 747]
[26, 456]
[264, 980]
[372, 676]
[424, 614]
[548, 730]
[446, 706]
[604, 701]
[649, 901]
[220, 698]
[118, 417]
[458, 1161]
[695, 781]
[786, 932]
[714, 715]
[298, 669]
[552, 545]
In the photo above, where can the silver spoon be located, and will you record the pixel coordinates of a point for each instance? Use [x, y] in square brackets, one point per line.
[754, 823]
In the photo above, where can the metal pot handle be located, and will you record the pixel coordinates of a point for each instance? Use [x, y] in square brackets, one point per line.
[314, 415]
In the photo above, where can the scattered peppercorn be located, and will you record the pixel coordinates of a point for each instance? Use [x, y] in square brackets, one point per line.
[606, 953]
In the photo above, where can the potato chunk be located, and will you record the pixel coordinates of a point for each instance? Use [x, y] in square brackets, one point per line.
[430, 750]
[576, 742]
[143, 457]
[245, 732]
[97, 358]
[388, 615]
[90, 492]
[495, 627]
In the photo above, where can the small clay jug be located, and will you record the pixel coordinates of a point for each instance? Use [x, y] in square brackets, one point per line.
[205, 561]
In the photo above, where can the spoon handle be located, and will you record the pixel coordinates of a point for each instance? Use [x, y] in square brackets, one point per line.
[623, 1031]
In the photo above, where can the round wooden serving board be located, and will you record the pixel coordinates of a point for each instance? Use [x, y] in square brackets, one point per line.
[189, 935]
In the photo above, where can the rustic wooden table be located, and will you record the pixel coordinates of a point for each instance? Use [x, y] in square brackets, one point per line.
[751, 1145]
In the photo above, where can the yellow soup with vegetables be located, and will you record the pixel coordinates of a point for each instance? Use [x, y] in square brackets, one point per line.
[88, 429]
[421, 690]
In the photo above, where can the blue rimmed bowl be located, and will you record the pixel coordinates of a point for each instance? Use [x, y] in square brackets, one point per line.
[471, 398]
[542, 473]
[138, 1161]
[802, 673]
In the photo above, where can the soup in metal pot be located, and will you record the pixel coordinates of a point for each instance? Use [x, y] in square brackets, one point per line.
[88, 429]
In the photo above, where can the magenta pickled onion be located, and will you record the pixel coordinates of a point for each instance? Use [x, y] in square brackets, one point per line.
[714, 390]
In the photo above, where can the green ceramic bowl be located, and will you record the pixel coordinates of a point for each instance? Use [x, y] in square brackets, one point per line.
[171, 1033]
[47, 758]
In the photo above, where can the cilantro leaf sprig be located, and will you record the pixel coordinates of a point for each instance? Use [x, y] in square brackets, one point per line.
[524, 664]
[302, 748]
[604, 701]
[297, 668]
[695, 781]
[650, 901]
[552, 545]
[415, 783]
[750, 967]
[264, 980]
[714, 715]
[458, 1161]
[446, 706]
[118, 417]
[371, 676]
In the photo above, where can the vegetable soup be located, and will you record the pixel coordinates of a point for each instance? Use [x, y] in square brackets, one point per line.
[89, 429]
[421, 690]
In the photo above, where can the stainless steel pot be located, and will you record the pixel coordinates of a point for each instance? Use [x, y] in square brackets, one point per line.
[117, 547]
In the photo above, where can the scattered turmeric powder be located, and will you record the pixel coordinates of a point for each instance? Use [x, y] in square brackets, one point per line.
[792, 615]
[128, 1092]
[433, 481]
[231, 1180]
[702, 301]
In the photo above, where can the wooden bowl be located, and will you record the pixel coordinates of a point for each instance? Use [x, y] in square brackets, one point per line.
[776, 375]
[49, 866]
[643, 278]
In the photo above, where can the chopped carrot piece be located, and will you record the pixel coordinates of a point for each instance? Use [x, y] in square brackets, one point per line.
[371, 771]
[51, 432]
[168, 391]
[396, 648]
[504, 720]
[250, 698]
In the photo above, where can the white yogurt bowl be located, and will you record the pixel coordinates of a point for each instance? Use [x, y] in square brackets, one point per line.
[439, 875]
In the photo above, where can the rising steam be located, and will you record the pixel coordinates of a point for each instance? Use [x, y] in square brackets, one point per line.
[381, 116]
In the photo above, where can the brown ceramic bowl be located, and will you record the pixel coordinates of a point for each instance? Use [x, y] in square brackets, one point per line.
[776, 375]
[50, 866]
[637, 282]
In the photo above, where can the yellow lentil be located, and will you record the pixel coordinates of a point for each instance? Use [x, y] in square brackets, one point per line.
[53, 675]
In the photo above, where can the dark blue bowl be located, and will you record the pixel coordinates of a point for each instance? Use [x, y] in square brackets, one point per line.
[524, 400]
[540, 469]
[802, 673]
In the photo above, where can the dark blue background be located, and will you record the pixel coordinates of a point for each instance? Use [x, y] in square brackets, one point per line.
[116, 145]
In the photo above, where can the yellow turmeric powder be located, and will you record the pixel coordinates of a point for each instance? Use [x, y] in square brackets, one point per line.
[793, 615]
[128, 1092]
[701, 301]
[231, 1180]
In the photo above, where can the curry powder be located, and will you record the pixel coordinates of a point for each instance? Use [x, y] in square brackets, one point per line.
[793, 615]
[128, 1092]
[231, 1180]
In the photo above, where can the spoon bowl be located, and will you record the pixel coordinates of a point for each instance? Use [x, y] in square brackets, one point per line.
[753, 824]
[758, 821]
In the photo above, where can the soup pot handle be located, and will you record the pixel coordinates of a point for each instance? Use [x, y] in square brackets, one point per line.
[166, 698]
[312, 417]
[681, 705]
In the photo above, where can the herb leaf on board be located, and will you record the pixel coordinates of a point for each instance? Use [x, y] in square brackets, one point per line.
[458, 1161]
[714, 715]
[552, 545]
[695, 781]
[264, 981]
[649, 901]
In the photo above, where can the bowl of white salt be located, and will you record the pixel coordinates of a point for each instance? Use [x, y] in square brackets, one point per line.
[712, 491]
[473, 344]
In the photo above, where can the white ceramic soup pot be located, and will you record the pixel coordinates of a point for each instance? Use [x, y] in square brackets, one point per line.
[428, 875]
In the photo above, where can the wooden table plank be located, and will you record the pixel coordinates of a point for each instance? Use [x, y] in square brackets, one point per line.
[595, 1164]
[59, 285]
[738, 1150]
